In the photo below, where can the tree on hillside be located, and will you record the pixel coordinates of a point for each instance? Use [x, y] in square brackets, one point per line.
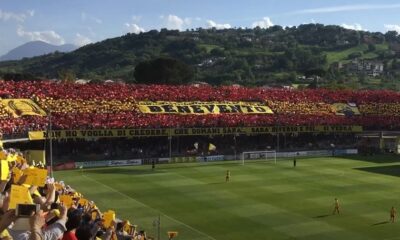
[163, 71]
[371, 47]
[391, 36]
[19, 76]
[67, 75]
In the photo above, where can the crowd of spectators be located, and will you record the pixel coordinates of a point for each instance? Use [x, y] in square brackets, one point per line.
[45, 209]
[76, 106]
[382, 109]
[158, 147]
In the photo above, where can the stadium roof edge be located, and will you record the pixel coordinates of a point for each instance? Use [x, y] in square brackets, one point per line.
[15, 140]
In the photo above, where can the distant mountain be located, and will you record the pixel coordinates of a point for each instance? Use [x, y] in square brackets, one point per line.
[35, 48]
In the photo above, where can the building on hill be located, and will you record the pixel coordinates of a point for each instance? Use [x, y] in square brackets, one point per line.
[361, 66]
[395, 47]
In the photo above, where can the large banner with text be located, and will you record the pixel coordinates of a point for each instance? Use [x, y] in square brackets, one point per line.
[112, 133]
[202, 108]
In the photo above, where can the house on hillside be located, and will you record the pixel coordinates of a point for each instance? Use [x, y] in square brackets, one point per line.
[358, 66]
[210, 61]
[395, 47]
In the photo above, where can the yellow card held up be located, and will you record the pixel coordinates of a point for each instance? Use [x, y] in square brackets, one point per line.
[67, 200]
[19, 195]
[94, 215]
[128, 227]
[36, 176]
[172, 234]
[11, 157]
[83, 202]
[108, 217]
[58, 186]
[17, 173]
[21, 159]
[3, 155]
[5, 170]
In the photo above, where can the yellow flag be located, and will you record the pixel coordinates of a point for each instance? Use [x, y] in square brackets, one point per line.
[36, 135]
[211, 147]
[19, 195]
[5, 170]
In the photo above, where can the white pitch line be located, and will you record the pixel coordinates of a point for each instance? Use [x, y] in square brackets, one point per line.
[143, 204]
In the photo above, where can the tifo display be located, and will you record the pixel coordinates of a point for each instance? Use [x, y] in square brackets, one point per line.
[28, 106]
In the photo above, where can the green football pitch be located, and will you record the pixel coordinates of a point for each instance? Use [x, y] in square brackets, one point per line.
[262, 201]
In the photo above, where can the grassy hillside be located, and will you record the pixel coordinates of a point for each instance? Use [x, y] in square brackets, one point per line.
[343, 55]
[263, 200]
[243, 56]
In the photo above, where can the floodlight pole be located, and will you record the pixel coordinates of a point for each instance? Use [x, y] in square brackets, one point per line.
[234, 138]
[170, 146]
[49, 135]
[277, 133]
[159, 227]
[156, 225]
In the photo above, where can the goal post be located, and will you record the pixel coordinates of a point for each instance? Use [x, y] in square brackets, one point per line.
[266, 156]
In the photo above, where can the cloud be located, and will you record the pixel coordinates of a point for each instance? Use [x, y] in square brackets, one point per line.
[48, 36]
[175, 22]
[31, 13]
[134, 28]
[347, 8]
[355, 26]
[392, 27]
[136, 18]
[212, 24]
[85, 17]
[19, 17]
[264, 23]
[81, 40]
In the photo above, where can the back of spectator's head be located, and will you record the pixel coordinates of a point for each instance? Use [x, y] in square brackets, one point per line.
[74, 219]
[54, 206]
[83, 232]
[52, 216]
[120, 226]
[100, 233]
[86, 218]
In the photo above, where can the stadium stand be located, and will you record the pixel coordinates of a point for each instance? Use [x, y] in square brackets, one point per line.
[90, 106]
[32, 105]
[54, 209]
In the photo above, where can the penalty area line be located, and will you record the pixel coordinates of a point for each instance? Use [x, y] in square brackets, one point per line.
[145, 205]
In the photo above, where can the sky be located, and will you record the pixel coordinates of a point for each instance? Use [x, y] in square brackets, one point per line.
[81, 22]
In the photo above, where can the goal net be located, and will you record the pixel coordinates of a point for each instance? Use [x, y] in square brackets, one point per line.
[266, 156]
